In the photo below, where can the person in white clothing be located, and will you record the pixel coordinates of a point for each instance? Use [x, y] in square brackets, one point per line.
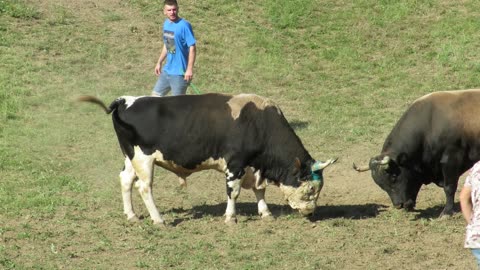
[470, 205]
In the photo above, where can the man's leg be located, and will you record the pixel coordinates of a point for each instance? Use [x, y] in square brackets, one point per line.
[162, 87]
[178, 84]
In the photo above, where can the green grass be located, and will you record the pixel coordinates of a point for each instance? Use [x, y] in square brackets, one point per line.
[343, 73]
[18, 9]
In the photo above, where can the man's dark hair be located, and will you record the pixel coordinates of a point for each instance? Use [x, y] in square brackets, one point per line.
[171, 3]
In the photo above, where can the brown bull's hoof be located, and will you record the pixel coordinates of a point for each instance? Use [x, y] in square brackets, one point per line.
[446, 214]
[444, 217]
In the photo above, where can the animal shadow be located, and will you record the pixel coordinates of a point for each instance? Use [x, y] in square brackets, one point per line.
[434, 211]
[347, 211]
[297, 124]
[248, 210]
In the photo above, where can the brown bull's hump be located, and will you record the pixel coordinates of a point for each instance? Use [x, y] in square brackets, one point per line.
[459, 108]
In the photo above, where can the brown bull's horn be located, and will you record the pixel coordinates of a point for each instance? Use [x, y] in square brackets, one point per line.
[361, 169]
[384, 161]
[318, 165]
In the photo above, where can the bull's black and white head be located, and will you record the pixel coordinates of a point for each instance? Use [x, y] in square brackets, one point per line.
[397, 177]
[303, 189]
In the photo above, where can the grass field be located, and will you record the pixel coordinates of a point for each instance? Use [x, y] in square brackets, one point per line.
[342, 71]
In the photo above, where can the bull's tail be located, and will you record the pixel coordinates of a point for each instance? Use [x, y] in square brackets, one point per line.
[97, 101]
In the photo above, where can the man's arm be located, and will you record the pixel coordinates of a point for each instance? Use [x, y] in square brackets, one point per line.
[191, 61]
[163, 55]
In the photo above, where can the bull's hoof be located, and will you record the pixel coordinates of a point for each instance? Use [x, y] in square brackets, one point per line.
[444, 217]
[182, 182]
[231, 221]
[409, 206]
[268, 218]
[160, 224]
[446, 214]
[398, 206]
[133, 219]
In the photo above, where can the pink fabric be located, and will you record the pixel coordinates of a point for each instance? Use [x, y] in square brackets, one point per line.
[472, 235]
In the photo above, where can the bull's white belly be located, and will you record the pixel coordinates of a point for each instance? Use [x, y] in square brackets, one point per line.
[209, 164]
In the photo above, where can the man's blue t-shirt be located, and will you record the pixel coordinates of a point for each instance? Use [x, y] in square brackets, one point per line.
[178, 37]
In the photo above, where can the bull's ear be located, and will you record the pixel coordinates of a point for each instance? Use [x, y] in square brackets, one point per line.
[296, 166]
[402, 159]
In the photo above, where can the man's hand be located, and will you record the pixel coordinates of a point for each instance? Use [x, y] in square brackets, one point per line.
[158, 69]
[188, 76]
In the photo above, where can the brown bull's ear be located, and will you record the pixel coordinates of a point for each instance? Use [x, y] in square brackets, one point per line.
[402, 159]
[296, 166]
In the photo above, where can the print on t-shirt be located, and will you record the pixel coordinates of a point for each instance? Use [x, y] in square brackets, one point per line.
[169, 37]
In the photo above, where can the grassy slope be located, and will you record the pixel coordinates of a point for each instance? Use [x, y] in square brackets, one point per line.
[342, 72]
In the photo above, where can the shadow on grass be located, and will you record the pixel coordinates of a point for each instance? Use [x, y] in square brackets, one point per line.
[347, 211]
[434, 211]
[297, 124]
[250, 211]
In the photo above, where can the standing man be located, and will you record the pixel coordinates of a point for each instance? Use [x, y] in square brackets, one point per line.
[178, 52]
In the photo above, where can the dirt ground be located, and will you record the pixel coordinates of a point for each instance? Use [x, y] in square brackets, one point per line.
[354, 227]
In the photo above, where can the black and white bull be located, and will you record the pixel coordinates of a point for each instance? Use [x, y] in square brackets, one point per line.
[436, 140]
[244, 136]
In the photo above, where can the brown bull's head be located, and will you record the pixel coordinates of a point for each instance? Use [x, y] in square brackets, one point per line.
[395, 176]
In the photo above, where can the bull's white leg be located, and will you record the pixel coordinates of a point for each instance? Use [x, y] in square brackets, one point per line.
[143, 165]
[262, 205]
[230, 213]
[259, 191]
[127, 177]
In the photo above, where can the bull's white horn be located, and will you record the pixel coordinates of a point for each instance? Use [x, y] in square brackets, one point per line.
[361, 169]
[318, 165]
[385, 160]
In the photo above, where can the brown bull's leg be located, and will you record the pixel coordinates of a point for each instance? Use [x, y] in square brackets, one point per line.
[449, 190]
[450, 169]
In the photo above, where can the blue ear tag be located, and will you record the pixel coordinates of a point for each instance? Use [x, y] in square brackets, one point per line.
[316, 176]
